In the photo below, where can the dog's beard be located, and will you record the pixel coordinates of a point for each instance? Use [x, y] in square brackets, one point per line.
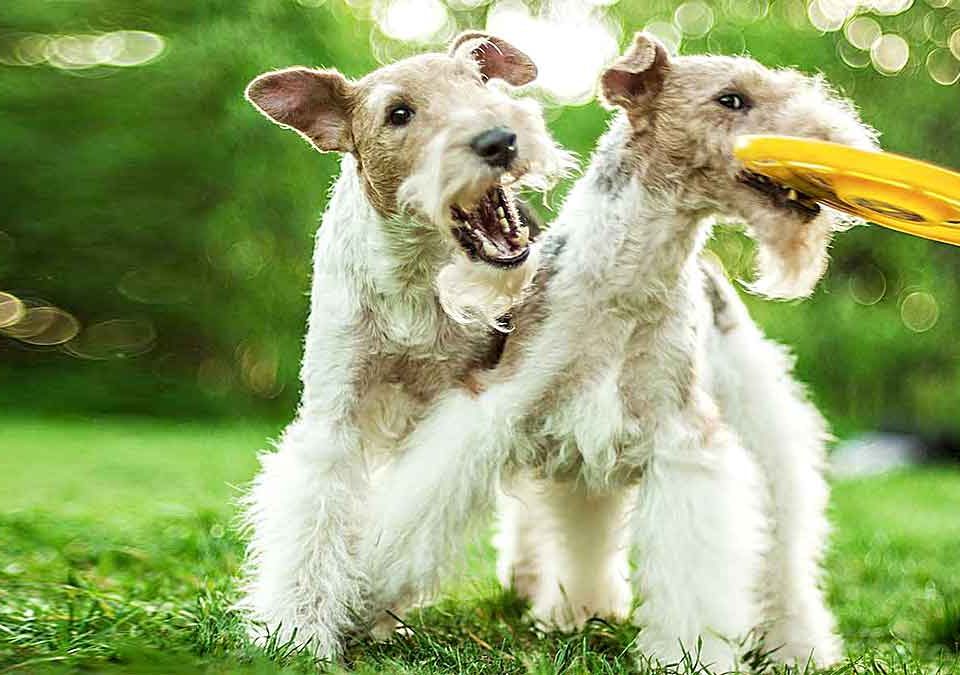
[450, 177]
[792, 256]
[472, 292]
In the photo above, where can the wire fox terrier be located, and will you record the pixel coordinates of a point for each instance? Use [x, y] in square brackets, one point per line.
[637, 409]
[421, 249]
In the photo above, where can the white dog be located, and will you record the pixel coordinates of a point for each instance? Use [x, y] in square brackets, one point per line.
[637, 407]
[421, 249]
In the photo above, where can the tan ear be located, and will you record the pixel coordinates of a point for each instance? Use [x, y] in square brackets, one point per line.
[314, 103]
[498, 59]
[638, 75]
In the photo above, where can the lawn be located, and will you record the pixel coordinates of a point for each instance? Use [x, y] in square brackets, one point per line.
[117, 552]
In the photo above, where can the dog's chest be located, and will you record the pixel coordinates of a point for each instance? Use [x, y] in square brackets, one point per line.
[579, 426]
[599, 422]
[406, 379]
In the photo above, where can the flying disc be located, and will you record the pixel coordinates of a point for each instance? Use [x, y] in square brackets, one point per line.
[898, 192]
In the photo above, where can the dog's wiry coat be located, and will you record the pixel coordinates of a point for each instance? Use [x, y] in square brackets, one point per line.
[629, 410]
[380, 347]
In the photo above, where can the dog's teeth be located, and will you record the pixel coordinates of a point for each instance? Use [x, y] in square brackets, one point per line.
[501, 213]
[523, 237]
[490, 250]
[504, 225]
[792, 195]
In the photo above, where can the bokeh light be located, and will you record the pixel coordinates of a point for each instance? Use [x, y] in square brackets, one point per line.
[259, 368]
[667, 33]
[114, 339]
[888, 7]
[566, 75]
[123, 49]
[35, 322]
[935, 30]
[852, 56]
[943, 66]
[862, 32]
[58, 327]
[726, 40]
[11, 309]
[825, 16]
[128, 48]
[890, 54]
[746, 11]
[413, 20]
[694, 18]
[919, 311]
[868, 285]
[73, 51]
[28, 49]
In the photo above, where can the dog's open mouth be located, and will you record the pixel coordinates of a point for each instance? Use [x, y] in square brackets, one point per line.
[493, 231]
[781, 195]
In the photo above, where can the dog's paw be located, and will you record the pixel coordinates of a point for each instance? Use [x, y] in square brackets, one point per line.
[822, 652]
[522, 578]
[805, 638]
[569, 611]
[388, 627]
[708, 654]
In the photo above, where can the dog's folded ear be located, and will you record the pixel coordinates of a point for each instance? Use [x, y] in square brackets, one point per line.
[314, 103]
[637, 76]
[497, 58]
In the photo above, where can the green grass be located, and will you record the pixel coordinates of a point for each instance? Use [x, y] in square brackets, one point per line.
[117, 553]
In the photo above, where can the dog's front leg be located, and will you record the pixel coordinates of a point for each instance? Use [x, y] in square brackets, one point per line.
[422, 504]
[700, 536]
[303, 580]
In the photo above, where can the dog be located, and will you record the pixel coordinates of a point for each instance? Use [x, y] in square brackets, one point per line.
[636, 406]
[421, 250]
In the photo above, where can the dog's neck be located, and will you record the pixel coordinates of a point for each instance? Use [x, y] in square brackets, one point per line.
[389, 263]
[630, 228]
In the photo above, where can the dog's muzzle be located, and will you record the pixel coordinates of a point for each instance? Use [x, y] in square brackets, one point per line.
[493, 230]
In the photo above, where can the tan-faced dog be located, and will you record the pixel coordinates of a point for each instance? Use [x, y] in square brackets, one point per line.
[421, 249]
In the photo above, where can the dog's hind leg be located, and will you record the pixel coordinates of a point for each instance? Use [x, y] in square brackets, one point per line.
[520, 536]
[700, 535]
[785, 432]
[582, 550]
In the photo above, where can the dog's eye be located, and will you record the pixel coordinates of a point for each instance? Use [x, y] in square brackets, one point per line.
[732, 101]
[400, 115]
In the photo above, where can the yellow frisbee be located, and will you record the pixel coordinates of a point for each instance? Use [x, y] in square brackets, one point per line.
[891, 190]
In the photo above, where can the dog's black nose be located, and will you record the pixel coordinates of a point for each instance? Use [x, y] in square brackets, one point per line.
[497, 146]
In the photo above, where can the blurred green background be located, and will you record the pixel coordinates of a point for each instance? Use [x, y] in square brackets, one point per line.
[159, 231]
